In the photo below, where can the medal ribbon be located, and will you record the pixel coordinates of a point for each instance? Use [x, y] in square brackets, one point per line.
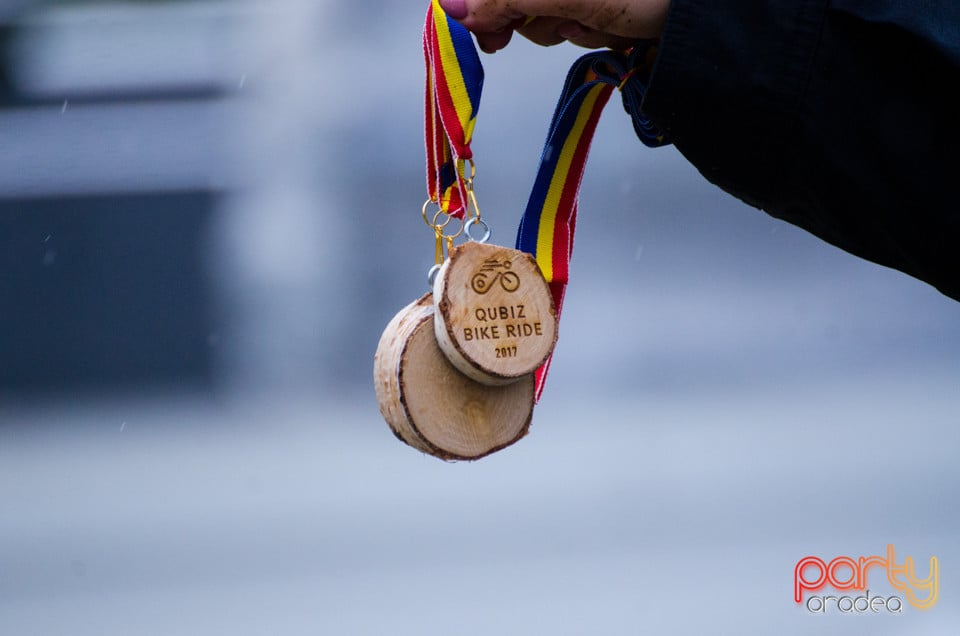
[549, 221]
[454, 84]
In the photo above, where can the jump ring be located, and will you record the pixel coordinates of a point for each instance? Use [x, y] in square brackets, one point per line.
[433, 224]
[468, 229]
[432, 275]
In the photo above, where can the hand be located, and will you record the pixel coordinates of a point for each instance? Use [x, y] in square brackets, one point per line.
[616, 24]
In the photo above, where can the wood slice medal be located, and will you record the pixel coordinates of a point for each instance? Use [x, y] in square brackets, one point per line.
[433, 407]
[495, 318]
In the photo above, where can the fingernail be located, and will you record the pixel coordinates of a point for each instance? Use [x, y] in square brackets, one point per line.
[570, 30]
[456, 9]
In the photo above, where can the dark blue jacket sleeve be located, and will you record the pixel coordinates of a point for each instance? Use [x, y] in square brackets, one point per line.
[839, 116]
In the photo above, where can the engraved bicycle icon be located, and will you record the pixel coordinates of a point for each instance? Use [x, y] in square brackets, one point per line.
[492, 272]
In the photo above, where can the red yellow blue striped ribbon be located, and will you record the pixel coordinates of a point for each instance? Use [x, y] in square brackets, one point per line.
[548, 224]
[453, 88]
[454, 83]
[549, 220]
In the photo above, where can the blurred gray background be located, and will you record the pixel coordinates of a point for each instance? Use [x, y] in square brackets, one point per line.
[209, 211]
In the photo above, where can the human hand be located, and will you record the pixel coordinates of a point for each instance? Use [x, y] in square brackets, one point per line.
[616, 24]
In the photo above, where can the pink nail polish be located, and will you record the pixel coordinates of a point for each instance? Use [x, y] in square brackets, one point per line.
[456, 9]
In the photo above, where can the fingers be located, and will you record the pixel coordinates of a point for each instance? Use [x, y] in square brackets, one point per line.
[490, 19]
[544, 31]
[597, 40]
[493, 42]
[630, 19]
[551, 31]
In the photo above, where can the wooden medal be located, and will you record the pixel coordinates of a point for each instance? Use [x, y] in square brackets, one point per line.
[495, 317]
[433, 407]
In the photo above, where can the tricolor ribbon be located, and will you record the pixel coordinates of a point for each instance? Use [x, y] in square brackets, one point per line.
[454, 84]
[549, 221]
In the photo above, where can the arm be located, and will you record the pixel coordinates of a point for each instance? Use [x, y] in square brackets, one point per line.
[839, 116]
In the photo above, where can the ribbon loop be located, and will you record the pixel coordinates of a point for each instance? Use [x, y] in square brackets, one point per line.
[453, 88]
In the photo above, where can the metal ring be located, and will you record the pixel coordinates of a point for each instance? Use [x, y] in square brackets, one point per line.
[433, 225]
[458, 233]
[432, 275]
[468, 229]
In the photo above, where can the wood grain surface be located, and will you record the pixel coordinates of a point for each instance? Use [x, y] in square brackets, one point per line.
[433, 407]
